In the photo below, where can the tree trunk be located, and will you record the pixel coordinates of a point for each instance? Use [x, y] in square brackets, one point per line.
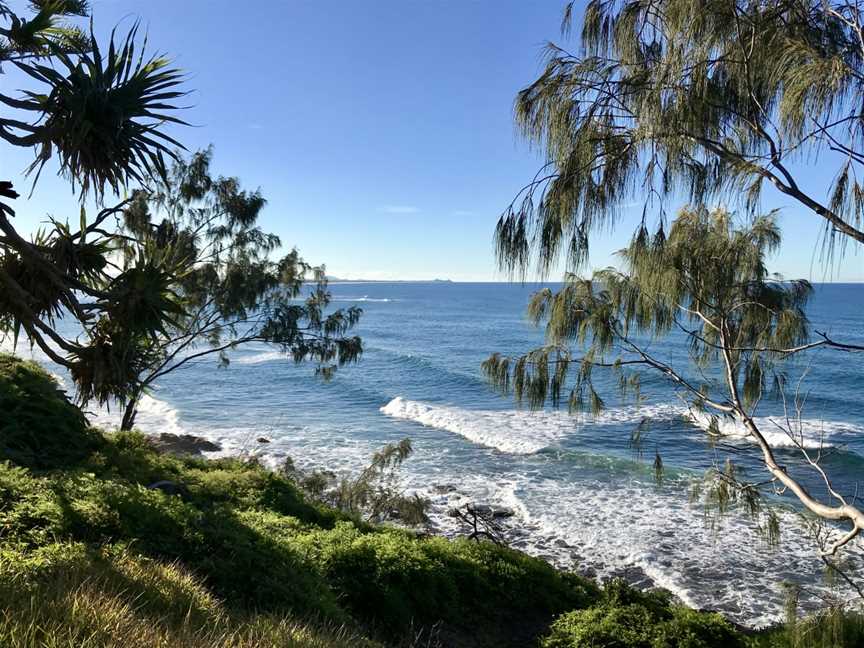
[129, 413]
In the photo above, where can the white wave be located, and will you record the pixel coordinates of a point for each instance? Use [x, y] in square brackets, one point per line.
[154, 417]
[258, 358]
[614, 527]
[364, 298]
[517, 432]
[807, 433]
[528, 432]
[506, 431]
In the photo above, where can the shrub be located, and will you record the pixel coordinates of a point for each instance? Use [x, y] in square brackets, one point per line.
[39, 427]
[627, 618]
[395, 580]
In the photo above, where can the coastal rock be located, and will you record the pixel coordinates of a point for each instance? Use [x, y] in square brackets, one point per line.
[183, 444]
[263, 440]
[443, 489]
[492, 511]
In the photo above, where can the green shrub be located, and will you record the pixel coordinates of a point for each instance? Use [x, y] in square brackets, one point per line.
[39, 427]
[627, 618]
[394, 579]
[236, 530]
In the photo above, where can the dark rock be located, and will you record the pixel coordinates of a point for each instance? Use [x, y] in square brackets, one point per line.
[170, 488]
[263, 440]
[490, 510]
[443, 489]
[183, 444]
[484, 510]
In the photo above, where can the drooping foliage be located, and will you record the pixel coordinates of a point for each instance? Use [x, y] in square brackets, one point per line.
[707, 279]
[703, 101]
[705, 282]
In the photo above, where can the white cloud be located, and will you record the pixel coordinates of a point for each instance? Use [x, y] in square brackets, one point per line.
[399, 209]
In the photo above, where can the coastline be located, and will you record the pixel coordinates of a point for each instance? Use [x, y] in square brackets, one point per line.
[513, 531]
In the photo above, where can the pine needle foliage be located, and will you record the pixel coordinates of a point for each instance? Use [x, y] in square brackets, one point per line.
[706, 281]
[707, 278]
[702, 101]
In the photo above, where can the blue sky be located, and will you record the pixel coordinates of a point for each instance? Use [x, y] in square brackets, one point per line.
[380, 132]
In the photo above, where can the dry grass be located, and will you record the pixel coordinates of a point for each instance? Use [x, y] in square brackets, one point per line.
[126, 601]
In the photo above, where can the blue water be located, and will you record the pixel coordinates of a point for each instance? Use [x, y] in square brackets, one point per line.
[582, 494]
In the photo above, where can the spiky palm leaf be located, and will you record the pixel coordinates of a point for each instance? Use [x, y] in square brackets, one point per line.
[104, 116]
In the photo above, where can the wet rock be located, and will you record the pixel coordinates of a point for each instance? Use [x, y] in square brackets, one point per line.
[492, 511]
[587, 572]
[502, 512]
[635, 576]
[559, 542]
[183, 444]
[263, 440]
[443, 489]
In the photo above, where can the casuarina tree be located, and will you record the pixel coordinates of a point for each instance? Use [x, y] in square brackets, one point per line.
[671, 101]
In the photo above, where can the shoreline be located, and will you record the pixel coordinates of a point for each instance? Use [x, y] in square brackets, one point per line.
[514, 532]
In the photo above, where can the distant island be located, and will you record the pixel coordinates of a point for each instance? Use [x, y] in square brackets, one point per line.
[340, 280]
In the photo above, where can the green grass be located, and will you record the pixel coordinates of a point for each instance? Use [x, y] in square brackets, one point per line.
[253, 541]
[68, 595]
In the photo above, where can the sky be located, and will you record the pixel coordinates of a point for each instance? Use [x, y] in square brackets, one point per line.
[380, 131]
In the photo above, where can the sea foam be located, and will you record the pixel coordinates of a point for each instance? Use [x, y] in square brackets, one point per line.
[528, 432]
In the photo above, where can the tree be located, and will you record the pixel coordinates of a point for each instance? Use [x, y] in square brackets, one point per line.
[151, 279]
[708, 282]
[223, 287]
[705, 101]
[674, 100]
[103, 118]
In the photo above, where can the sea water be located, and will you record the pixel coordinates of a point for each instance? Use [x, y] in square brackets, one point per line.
[583, 496]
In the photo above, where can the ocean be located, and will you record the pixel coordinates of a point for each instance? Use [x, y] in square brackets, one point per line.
[583, 496]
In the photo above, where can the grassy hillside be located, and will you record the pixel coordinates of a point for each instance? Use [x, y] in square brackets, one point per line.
[237, 556]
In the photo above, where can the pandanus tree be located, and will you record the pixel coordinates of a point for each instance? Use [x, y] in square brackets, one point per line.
[700, 102]
[222, 287]
[178, 262]
[101, 118]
